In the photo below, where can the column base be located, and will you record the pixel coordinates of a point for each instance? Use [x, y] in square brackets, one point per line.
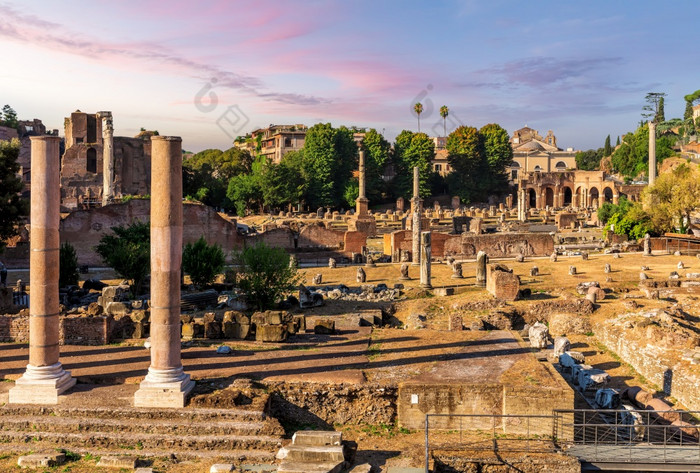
[164, 388]
[425, 286]
[41, 385]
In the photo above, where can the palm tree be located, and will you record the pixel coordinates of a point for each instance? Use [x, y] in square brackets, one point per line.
[444, 111]
[418, 108]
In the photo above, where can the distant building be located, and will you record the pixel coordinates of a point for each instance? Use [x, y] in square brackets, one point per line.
[534, 153]
[275, 141]
[696, 112]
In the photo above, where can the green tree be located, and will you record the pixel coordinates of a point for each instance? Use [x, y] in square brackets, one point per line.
[444, 112]
[206, 174]
[418, 108]
[265, 274]
[8, 117]
[245, 192]
[654, 106]
[589, 160]
[13, 208]
[377, 150]
[202, 262]
[281, 184]
[631, 158]
[498, 153]
[674, 197]
[607, 149]
[128, 252]
[466, 155]
[411, 150]
[330, 155]
[618, 141]
[660, 115]
[67, 266]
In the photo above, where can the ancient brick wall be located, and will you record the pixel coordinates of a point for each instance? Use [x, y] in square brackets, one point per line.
[354, 241]
[498, 245]
[84, 330]
[14, 328]
[502, 284]
[276, 237]
[564, 220]
[319, 237]
[84, 228]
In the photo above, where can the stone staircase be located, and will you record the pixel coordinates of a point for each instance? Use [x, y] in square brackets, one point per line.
[313, 452]
[230, 434]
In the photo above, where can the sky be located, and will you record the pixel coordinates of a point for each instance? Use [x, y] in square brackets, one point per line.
[209, 71]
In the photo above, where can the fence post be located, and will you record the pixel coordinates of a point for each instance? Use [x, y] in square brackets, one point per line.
[427, 447]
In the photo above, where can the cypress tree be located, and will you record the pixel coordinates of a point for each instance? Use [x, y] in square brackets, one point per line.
[607, 151]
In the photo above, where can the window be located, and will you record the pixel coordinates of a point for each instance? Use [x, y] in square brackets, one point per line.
[91, 165]
[514, 174]
[287, 142]
[78, 140]
[438, 167]
[561, 166]
[538, 168]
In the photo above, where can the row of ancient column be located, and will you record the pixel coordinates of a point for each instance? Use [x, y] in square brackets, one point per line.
[166, 384]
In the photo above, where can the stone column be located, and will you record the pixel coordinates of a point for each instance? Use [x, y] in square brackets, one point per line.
[417, 210]
[166, 384]
[538, 198]
[362, 203]
[482, 260]
[652, 153]
[107, 157]
[426, 250]
[45, 379]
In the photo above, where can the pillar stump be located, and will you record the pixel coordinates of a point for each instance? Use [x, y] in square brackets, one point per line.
[425, 260]
[45, 379]
[166, 384]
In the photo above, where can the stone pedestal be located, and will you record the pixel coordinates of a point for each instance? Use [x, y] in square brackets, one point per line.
[44, 380]
[482, 260]
[166, 384]
[425, 255]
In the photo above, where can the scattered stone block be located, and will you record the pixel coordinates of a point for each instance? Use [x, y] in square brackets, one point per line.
[456, 323]
[680, 265]
[361, 275]
[271, 333]
[561, 345]
[534, 271]
[539, 335]
[44, 459]
[324, 327]
[118, 461]
[607, 269]
[607, 398]
[222, 468]
[520, 258]
[502, 283]
[643, 276]
[572, 270]
[553, 257]
[444, 291]
[592, 379]
[317, 279]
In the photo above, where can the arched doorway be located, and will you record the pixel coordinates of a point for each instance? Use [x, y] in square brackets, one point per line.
[594, 196]
[607, 194]
[549, 197]
[567, 197]
[532, 198]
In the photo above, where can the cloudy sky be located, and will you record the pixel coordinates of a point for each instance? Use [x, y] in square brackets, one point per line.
[211, 70]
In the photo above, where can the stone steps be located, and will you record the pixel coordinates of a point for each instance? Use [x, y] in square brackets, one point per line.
[153, 426]
[301, 467]
[313, 452]
[235, 434]
[233, 456]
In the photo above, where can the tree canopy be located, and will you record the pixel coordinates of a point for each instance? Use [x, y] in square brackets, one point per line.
[13, 208]
[411, 150]
[8, 117]
[673, 197]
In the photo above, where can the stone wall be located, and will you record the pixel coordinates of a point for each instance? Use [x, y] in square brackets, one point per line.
[319, 237]
[654, 359]
[488, 399]
[564, 220]
[354, 241]
[281, 237]
[468, 245]
[73, 330]
[84, 228]
[471, 461]
[6, 302]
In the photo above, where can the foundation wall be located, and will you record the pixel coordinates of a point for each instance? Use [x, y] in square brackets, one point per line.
[72, 330]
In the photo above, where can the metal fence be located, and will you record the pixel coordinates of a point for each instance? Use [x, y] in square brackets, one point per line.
[492, 432]
[629, 435]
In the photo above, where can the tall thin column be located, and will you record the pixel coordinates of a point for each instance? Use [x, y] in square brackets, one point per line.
[107, 157]
[652, 153]
[417, 210]
[362, 203]
[166, 384]
[425, 257]
[45, 379]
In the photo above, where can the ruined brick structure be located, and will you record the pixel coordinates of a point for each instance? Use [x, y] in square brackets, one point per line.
[87, 144]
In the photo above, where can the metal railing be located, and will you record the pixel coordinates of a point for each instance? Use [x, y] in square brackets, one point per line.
[629, 435]
[492, 432]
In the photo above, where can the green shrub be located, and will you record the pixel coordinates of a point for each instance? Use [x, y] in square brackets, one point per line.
[265, 274]
[68, 266]
[128, 252]
[202, 262]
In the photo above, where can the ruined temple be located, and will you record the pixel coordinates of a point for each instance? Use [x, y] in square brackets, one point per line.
[98, 167]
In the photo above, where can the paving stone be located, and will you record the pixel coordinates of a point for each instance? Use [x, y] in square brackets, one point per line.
[221, 468]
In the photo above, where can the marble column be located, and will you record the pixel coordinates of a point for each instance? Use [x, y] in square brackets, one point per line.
[362, 203]
[166, 384]
[107, 157]
[652, 153]
[45, 379]
[482, 260]
[426, 250]
[417, 210]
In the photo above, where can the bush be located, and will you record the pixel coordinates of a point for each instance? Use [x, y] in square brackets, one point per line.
[68, 266]
[128, 252]
[202, 262]
[265, 274]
